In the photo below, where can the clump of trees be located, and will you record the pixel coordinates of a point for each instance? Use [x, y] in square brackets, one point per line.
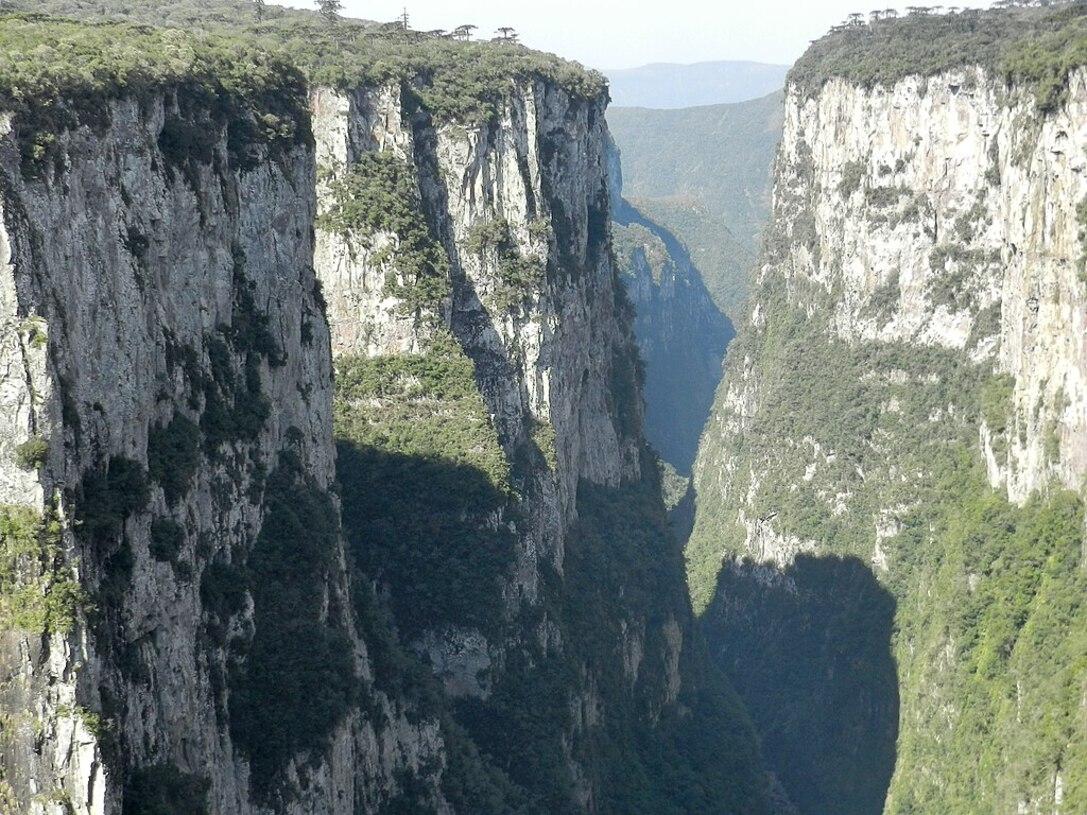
[329, 9]
[455, 77]
[1034, 43]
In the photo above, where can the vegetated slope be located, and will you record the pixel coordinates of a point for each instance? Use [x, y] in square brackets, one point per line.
[887, 552]
[669, 85]
[704, 173]
[256, 278]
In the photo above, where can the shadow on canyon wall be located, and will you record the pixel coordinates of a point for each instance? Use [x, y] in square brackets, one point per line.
[808, 649]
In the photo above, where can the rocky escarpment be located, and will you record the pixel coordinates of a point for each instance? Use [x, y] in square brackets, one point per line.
[513, 252]
[897, 437]
[168, 357]
[323, 481]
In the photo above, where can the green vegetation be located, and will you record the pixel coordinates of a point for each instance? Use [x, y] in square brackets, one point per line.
[295, 680]
[977, 601]
[809, 652]
[223, 593]
[542, 434]
[1033, 46]
[519, 277]
[167, 537]
[422, 479]
[379, 193]
[38, 591]
[173, 454]
[235, 405]
[31, 454]
[55, 74]
[848, 407]
[1081, 234]
[220, 44]
[421, 471]
[421, 525]
[1002, 608]
[425, 405]
[163, 789]
[1043, 62]
[470, 782]
[648, 755]
[624, 395]
[36, 331]
[426, 502]
[853, 174]
[108, 497]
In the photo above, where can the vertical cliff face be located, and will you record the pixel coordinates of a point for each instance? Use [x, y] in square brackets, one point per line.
[517, 209]
[509, 254]
[161, 376]
[681, 336]
[955, 224]
[899, 423]
[940, 213]
[169, 355]
[323, 486]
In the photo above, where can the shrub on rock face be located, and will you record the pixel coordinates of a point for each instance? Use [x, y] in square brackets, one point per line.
[32, 453]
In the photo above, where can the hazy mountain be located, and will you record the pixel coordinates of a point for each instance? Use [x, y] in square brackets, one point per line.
[704, 172]
[670, 85]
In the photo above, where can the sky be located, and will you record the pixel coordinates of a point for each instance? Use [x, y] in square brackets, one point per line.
[627, 35]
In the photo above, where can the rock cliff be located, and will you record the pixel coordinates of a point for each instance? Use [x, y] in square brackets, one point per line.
[681, 334]
[897, 441]
[323, 486]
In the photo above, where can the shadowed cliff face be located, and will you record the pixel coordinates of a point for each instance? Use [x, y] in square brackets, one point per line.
[566, 643]
[681, 337]
[809, 651]
[680, 333]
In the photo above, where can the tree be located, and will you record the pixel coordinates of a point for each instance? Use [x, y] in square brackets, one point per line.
[258, 6]
[507, 33]
[464, 32]
[329, 9]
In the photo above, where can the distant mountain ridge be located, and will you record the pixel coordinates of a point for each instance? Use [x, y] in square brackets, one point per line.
[670, 85]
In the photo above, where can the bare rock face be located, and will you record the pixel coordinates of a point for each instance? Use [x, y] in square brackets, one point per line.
[949, 217]
[941, 212]
[164, 342]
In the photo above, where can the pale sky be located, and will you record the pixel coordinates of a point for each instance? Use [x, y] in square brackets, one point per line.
[626, 35]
